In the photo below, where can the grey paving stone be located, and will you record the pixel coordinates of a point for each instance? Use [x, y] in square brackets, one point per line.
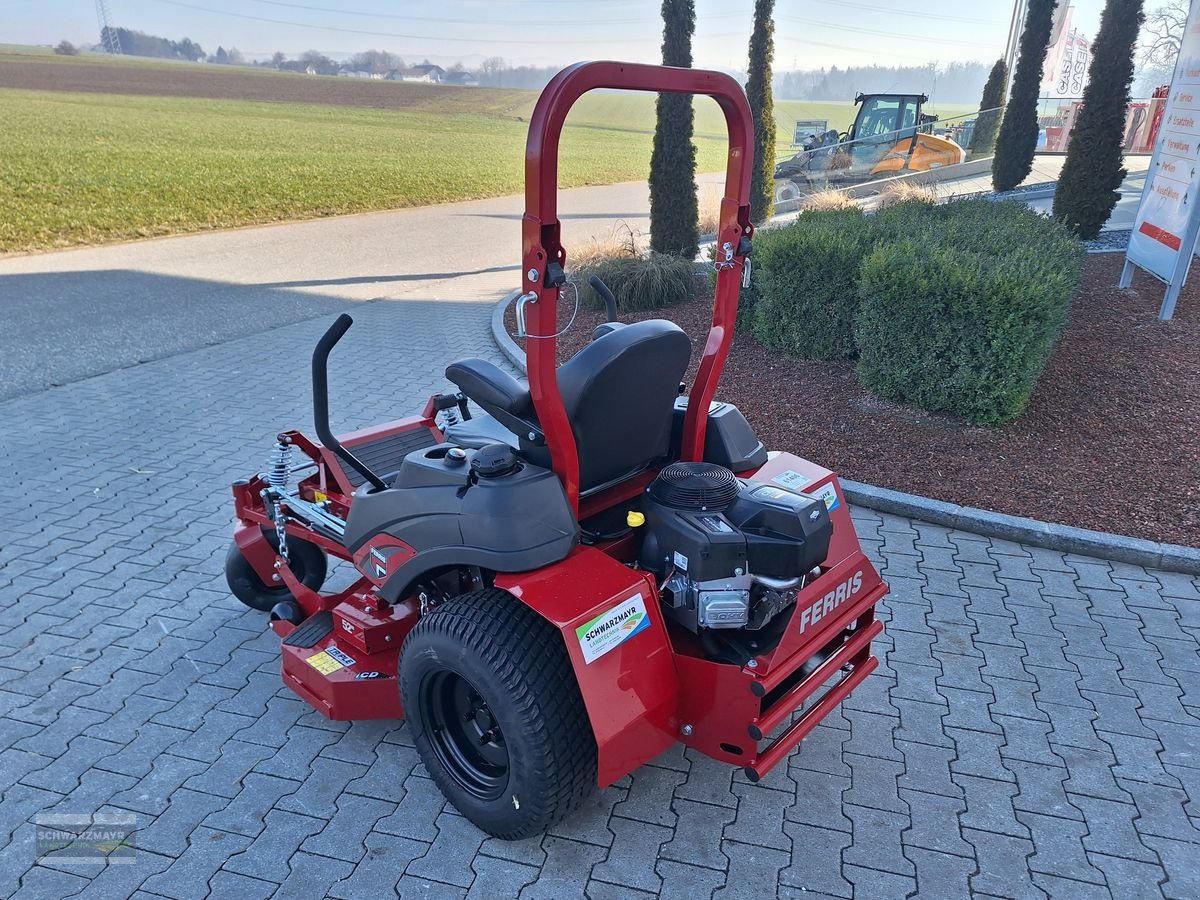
[412, 888]
[708, 781]
[760, 817]
[697, 836]
[310, 876]
[872, 883]
[39, 882]
[753, 871]
[1042, 789]
[188, 877]
[380, 868]
[877, 840]
[934, 824]
[873, 783]
[385, 776]
[1178, 859]
[1111, 829]
[818, 801]
[62, 775]
[343, 837]
[324, 783]
[1070, 890]
[1130, 878]
[419, 807]
[631, 858]
[114, 882]
[566, 870]
[649, 798]
[927, 769]
[267, 856]
[499, 878]
[1003, 870]
[683, 882]
[224, 777]
[244, 887]
[1059, 848]
[816, 860]
[246, 813]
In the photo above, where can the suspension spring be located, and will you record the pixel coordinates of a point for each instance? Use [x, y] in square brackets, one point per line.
[280, 466]
[277, 477]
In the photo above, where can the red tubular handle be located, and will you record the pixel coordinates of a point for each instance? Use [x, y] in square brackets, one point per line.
[541, 245]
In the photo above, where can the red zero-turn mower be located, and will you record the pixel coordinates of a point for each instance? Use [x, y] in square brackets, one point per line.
[556, 591]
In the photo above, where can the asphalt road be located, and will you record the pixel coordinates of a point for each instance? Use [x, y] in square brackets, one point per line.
[79, 313]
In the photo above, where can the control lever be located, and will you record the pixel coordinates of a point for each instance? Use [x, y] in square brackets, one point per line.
[610, 302]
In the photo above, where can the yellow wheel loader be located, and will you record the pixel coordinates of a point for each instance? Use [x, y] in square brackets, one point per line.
[891, 135]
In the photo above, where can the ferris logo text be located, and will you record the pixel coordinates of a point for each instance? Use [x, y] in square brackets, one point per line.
[831, 601]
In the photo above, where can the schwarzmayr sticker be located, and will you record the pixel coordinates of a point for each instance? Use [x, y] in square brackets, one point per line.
[612, 628]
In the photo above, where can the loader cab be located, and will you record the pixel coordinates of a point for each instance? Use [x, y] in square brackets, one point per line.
[884, 118]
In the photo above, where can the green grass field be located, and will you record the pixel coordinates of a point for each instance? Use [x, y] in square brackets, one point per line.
[89, 168]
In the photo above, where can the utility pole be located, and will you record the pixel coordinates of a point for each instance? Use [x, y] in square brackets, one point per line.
[108, 34]
[1015, 27]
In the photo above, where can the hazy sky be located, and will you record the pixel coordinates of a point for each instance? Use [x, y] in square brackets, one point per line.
[809, 33]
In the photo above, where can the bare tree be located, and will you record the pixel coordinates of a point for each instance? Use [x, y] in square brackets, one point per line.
[1164, 33]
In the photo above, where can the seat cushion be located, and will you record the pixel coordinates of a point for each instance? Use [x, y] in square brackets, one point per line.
[479, 431]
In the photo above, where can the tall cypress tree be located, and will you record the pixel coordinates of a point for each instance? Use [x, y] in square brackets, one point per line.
[1019, 130]
[983, 135]
[758, 92]
[674, 209]
[1092, 172]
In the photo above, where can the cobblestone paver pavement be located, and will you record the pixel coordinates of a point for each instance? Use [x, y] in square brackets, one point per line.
[1032, 729]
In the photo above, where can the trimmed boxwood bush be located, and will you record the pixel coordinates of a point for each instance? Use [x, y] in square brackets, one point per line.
[806, 279]
[962, 315]
[638, 281]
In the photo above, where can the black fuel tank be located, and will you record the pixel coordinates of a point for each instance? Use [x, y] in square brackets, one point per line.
[500, 516]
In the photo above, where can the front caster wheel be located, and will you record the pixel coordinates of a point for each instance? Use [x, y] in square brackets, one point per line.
[496, 714]
[307, 561]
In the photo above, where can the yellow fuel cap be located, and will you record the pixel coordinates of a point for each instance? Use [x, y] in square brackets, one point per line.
[635, 519]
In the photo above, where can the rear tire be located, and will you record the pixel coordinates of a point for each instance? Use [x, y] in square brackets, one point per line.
[496, 714]
[307, 561]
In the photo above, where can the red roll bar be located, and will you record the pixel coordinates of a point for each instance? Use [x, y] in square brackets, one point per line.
[541, 246]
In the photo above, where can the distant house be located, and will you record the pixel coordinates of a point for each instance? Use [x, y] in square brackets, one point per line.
[430, 74]
[463, 79]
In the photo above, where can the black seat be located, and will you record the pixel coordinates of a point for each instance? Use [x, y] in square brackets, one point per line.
[618, 391]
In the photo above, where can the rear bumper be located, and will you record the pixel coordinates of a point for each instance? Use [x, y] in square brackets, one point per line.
[853, 659]
[755, 716]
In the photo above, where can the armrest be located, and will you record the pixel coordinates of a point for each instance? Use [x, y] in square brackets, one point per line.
[490, 386]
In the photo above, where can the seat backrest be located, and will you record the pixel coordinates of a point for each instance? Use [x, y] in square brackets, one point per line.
[619, 393]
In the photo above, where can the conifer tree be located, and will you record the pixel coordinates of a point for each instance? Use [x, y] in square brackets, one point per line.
[674, 209]
[1087, 188]
[762, 104]
[1019, 131]
[983, 135]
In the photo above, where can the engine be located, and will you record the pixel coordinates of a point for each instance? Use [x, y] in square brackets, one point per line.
[733, 554]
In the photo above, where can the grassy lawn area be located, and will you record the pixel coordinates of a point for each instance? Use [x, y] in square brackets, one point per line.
[85, 168]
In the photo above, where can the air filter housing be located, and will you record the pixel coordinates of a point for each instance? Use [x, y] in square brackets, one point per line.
[695, 485]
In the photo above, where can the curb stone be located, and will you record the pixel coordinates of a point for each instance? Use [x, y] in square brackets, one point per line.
[1036, 533]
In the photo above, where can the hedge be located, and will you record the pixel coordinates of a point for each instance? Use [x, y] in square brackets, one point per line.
[806, 278]
[962, 315]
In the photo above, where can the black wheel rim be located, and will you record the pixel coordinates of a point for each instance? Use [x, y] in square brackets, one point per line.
[464, 734]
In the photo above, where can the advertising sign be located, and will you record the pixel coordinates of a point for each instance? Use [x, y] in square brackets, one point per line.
[1164, 233]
